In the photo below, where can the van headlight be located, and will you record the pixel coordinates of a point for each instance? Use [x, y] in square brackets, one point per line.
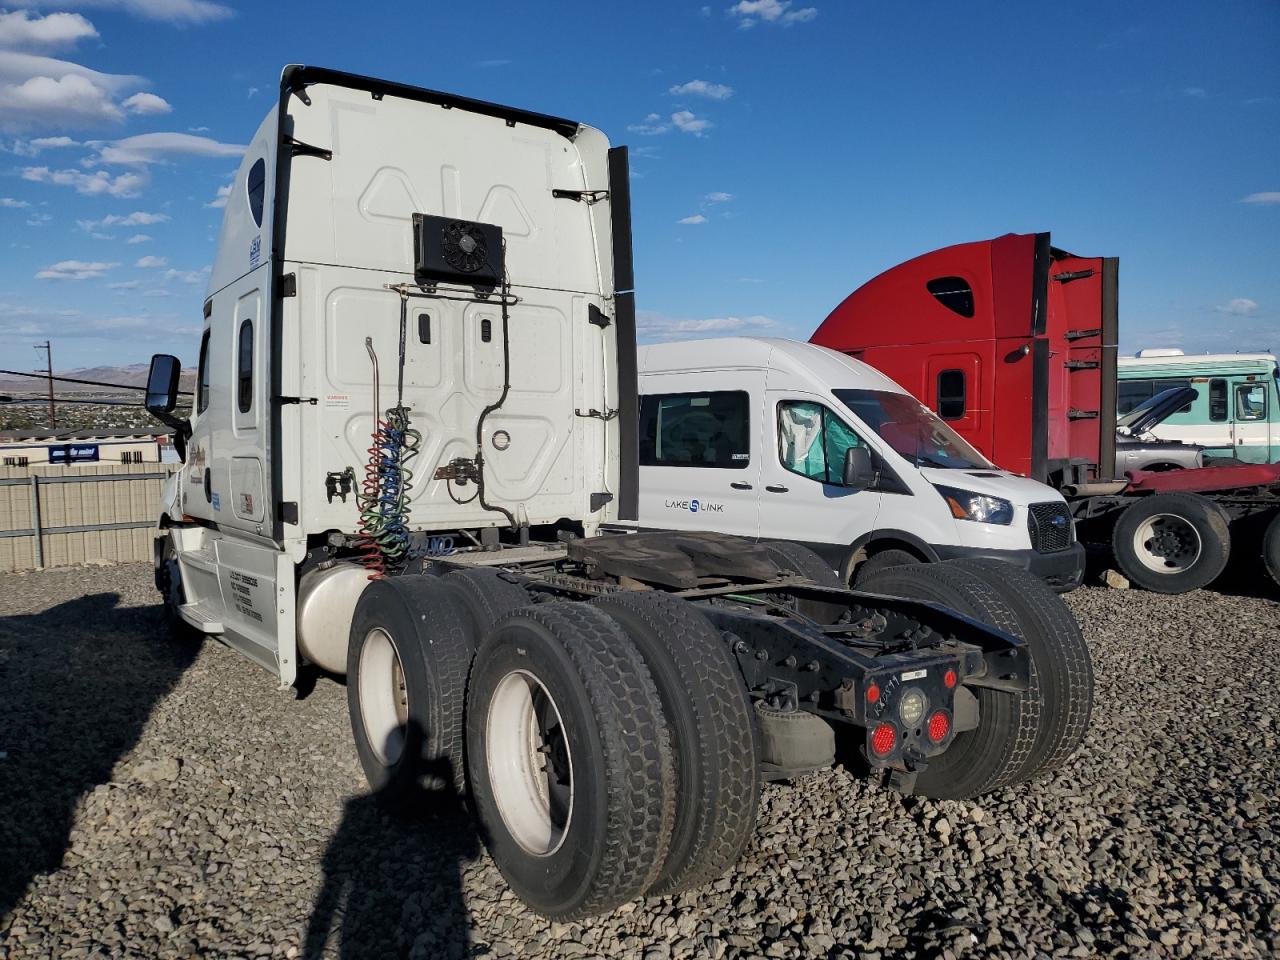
[980, 507]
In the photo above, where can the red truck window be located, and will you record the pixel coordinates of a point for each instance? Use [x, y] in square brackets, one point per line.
[954, 293]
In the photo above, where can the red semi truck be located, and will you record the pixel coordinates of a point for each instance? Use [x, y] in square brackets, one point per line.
[1012, 341]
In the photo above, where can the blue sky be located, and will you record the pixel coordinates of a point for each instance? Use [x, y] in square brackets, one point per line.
[783, 152]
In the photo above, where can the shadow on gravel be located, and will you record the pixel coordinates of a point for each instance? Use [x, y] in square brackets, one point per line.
[77, 683]
[393, 879]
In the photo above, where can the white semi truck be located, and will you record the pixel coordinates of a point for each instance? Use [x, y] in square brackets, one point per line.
[416, 408]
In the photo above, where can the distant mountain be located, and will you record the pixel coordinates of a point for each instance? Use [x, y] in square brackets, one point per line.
[134, 374]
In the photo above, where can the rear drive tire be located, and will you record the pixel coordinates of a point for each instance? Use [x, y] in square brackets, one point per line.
[995, 754]
[802, 561]
[1271, 548]
[487, 596]
[712, 729]
[1172, 542]
[883, 561]
[407, 662]
[1059, 656]
[570, 760]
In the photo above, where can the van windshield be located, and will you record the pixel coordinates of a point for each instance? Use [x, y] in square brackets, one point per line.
[912, 429]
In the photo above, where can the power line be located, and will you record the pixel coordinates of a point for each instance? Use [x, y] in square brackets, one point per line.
[92, 383]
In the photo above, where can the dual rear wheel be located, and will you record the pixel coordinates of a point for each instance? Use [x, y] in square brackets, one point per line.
[609, 747]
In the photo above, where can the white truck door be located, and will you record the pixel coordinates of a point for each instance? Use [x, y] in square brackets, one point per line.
[700, 451]
[803, 498]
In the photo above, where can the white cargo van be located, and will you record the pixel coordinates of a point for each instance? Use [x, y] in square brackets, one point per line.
[782, 440]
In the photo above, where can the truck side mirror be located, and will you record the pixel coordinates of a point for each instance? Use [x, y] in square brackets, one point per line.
[162, 384]
[162, 397]
[859, 470]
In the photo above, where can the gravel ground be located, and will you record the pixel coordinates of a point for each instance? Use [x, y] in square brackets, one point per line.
[159, 800]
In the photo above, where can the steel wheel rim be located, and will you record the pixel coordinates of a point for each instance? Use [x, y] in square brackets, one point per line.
[1167, 543]
[530, 765]
[384, 698]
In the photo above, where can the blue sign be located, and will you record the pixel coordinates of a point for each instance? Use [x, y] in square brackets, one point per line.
[74, 453]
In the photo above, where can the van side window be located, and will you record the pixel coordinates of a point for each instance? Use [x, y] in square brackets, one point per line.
[244, 368]
[1218, 400]
[954, 293]
[1251, 402]
[951, 395]
[696, 430]
[812, 441]
[202, 378]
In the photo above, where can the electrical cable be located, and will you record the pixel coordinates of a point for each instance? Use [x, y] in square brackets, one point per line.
[502, 398]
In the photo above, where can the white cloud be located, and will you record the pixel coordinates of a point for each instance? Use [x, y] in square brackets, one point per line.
[178, 12]
[719, 196]
[687, 122]
[124, 285]
[652, 126]
[696, 218]
[658, 326]
[253, 92]
[220, 200]
[1238, 307]
[157, 292]
[93, 184]
[1267, 196]
[13, 204]
[138, 238]
[147, 263]
[1195, 93]
[20, 29]
[139, 218]
[197, 129]
[38, 219]
[147, 103]
[74, 270]
[701, 88]
[750, 12]
[186, 276]
[147, 148]
[72, 99]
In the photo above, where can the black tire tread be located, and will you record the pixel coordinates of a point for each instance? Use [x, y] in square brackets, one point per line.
[1007, 732]
[1063, 666]
[803, 561]
[722, 814]
[884, 560]
[487, 596]
[636, 751]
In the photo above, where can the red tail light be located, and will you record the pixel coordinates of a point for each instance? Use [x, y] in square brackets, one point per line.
[884, 739]
[873, 693]
[949, 678]
[939, 727]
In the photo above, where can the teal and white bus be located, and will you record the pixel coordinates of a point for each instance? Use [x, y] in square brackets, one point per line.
[1236, 412]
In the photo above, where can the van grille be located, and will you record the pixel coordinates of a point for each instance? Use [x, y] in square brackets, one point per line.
[1050, 527]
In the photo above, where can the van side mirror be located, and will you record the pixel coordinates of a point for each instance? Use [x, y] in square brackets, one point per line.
[162, 384]
[859, 470]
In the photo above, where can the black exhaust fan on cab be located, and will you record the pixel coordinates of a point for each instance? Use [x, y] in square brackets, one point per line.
[456, 251]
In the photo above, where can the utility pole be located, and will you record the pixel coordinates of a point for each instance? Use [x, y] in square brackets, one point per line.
[48, 355]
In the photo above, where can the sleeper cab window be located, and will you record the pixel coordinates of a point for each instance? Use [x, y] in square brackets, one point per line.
[812, 441]
[695, 430]
[954, 293]
[244, 367]
[952, 395]
[202, 378]
[256, 189]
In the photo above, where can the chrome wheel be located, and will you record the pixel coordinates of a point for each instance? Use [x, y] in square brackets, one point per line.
[530, 764]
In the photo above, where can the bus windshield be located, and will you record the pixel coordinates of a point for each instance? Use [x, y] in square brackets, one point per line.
[912, 429]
